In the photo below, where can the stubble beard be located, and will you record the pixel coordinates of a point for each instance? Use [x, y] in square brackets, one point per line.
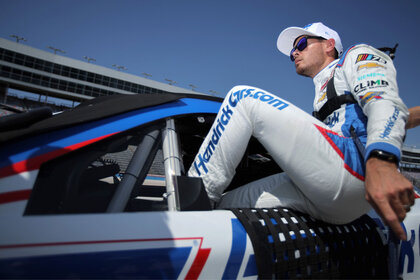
[302, 72]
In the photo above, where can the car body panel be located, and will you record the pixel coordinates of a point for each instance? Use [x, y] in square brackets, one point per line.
[171, 244]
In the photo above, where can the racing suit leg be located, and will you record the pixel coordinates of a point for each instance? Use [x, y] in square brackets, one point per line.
[324, 170]
[270, 191]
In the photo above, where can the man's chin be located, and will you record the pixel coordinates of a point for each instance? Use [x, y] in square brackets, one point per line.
[301, 71]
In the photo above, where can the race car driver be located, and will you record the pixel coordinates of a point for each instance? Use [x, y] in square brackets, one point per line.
[333, 167]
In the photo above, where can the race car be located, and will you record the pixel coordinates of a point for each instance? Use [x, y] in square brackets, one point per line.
[100, 191]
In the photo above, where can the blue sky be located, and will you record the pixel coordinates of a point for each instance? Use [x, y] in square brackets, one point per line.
[215, 44]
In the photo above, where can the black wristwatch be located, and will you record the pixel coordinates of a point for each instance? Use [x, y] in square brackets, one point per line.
[384, 156]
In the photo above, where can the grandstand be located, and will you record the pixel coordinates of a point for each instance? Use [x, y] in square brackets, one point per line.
[37, 71]
[46, 76]
[410, 164]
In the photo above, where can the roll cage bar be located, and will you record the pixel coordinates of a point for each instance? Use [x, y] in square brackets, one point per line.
[182, 192]
[172, 162]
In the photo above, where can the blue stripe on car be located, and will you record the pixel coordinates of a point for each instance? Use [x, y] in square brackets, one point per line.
[237, 250]
[139, 264]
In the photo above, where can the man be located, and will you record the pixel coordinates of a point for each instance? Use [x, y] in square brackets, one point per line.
[323, 161]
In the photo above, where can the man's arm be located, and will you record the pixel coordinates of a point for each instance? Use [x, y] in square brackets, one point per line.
[413, 118]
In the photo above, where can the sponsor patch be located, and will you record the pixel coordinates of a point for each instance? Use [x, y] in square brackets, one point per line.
[322, 97]
[370, 84]
[390, 124]
[307, 26]
[332, 120]
[370, 75]
[368, 56]
[370, 65]
[371, 95]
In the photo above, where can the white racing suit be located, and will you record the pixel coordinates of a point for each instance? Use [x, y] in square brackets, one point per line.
[324, 172]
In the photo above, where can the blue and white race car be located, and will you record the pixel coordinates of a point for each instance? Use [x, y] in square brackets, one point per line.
[100, 191]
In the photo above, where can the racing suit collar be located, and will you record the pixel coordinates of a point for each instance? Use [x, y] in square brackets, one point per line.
[324, 72]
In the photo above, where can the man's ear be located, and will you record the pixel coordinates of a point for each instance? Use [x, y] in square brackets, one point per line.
[330, 45]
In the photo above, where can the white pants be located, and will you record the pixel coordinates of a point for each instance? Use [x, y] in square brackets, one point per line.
[323, 176]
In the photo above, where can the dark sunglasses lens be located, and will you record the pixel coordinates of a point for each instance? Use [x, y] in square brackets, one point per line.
[291, 54]
[301, 45]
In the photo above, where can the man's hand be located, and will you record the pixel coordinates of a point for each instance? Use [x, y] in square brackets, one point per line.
[389, 192]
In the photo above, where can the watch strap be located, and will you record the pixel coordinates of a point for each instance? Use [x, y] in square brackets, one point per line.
[384, 156]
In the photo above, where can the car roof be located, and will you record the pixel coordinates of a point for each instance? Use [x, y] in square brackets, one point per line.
[22, 125]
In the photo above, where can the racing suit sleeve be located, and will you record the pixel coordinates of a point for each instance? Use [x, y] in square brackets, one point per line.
[371, 75]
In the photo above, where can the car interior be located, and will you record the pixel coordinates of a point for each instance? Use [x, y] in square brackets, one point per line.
[104, 177]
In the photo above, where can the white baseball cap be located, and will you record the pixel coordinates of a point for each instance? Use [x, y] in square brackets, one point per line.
[289, 35]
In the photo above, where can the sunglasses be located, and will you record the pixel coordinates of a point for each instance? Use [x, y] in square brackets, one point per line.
[302, 44]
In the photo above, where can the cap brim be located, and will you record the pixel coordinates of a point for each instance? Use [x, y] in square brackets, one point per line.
[288, 36]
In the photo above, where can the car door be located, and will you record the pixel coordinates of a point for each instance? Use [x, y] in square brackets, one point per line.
[104, 211]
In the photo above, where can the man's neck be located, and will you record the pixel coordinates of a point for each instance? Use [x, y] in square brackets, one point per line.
[327, 62]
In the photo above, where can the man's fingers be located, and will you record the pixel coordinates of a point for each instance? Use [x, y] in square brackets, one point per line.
[397, 229]
[411, 196]
[398, 207]
[389, 215]
[407, 196]
[394, 221]
[406, 201]
[389, 193]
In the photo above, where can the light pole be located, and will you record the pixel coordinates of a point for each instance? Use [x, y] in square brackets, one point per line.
[18, 38]
[147, 75]
[193, 87]
[119, 67]
[170, 81]
[213, 92]
[56, 50]
[89, 59]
